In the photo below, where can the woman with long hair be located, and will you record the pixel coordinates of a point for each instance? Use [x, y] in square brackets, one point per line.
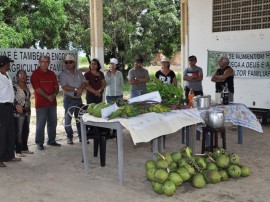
[95, 82]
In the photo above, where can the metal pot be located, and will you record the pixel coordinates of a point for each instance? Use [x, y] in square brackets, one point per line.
[202, 102]
[214, 118]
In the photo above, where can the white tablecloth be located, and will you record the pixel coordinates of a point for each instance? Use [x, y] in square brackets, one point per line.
[146, 127]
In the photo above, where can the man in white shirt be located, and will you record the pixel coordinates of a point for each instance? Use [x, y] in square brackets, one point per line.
[7, 122]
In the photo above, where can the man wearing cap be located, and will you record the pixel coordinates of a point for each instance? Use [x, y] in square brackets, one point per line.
[73, 83]
[46, 88]
[193, 75]
[114, 82]
[7, 121]
[138, 77]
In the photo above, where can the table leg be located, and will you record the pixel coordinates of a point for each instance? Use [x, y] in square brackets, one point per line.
[84, 146]
[192, 137]
[240, 134]
[154, 148]
[161, 143]
[187, 135]
[120, 153]
[183, 134]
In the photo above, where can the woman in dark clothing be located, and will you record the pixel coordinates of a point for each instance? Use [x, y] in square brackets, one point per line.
[95, 83]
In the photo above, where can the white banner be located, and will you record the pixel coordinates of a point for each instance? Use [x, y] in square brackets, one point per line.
[27, 59]
[244, 64]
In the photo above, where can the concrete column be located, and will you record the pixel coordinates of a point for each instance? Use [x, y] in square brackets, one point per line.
[96, 26]
[184, 37]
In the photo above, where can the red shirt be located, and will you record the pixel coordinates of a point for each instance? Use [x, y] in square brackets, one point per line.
[46, 81]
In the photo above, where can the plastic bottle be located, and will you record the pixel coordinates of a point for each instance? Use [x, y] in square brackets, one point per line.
[218, 97]
[225, 95]
[190, 97]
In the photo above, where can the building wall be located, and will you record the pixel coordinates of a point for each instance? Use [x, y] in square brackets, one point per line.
[252, 92]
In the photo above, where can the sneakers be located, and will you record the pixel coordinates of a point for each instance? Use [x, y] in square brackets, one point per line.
[27, 152]
[69, 141]
[40, 147]
[15, 159]
[54, 144]
[20, 154]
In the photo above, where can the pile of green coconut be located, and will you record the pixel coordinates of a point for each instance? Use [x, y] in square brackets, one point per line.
[170, 171]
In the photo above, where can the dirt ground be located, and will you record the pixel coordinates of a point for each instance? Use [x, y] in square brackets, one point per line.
[57, 174]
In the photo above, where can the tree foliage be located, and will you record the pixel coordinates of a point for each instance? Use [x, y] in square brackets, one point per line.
[140, 28]
[28, 22]
[131, 27]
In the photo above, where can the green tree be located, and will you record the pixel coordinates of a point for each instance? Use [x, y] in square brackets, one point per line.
[26, 22]
[131, 27]
[140, 28]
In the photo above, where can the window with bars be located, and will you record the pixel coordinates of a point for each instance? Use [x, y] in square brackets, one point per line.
[233, 15]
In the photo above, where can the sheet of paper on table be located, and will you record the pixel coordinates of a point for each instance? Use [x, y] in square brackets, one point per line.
[106, 112]
[153, 96]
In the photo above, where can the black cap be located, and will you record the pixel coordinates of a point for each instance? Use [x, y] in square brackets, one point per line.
[4, 60]
[192, 57]
[139, 60]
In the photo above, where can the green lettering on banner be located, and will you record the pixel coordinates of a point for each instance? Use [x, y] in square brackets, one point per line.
[244, 64]
[28, 59]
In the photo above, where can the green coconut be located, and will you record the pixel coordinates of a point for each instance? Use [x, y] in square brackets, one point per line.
[224, 175]
[150, 164]
[234, 159]
[158, 187]
[211, 166]
[212, 176]
[176, 179]
[150, 174]
[182, 162]
[176, 156]
[198, 181]
[161, 176]
[223, 161]
[218, 152]
[234, 171]
[169, 188]
[183, 173]
[161, 163]
[201, 162]
[245, 171]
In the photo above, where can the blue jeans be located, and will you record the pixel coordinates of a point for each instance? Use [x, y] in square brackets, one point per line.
[135, 93]
[112, 99]
[70, 105]
[46, 115]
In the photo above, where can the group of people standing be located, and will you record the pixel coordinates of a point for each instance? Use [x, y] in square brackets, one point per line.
[193, 75]
[15, 103]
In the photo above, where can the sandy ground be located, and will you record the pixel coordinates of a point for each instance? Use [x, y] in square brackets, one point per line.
[57, 174]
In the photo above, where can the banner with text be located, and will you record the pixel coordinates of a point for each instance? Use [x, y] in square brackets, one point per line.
[28, 59]
[244, 64]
